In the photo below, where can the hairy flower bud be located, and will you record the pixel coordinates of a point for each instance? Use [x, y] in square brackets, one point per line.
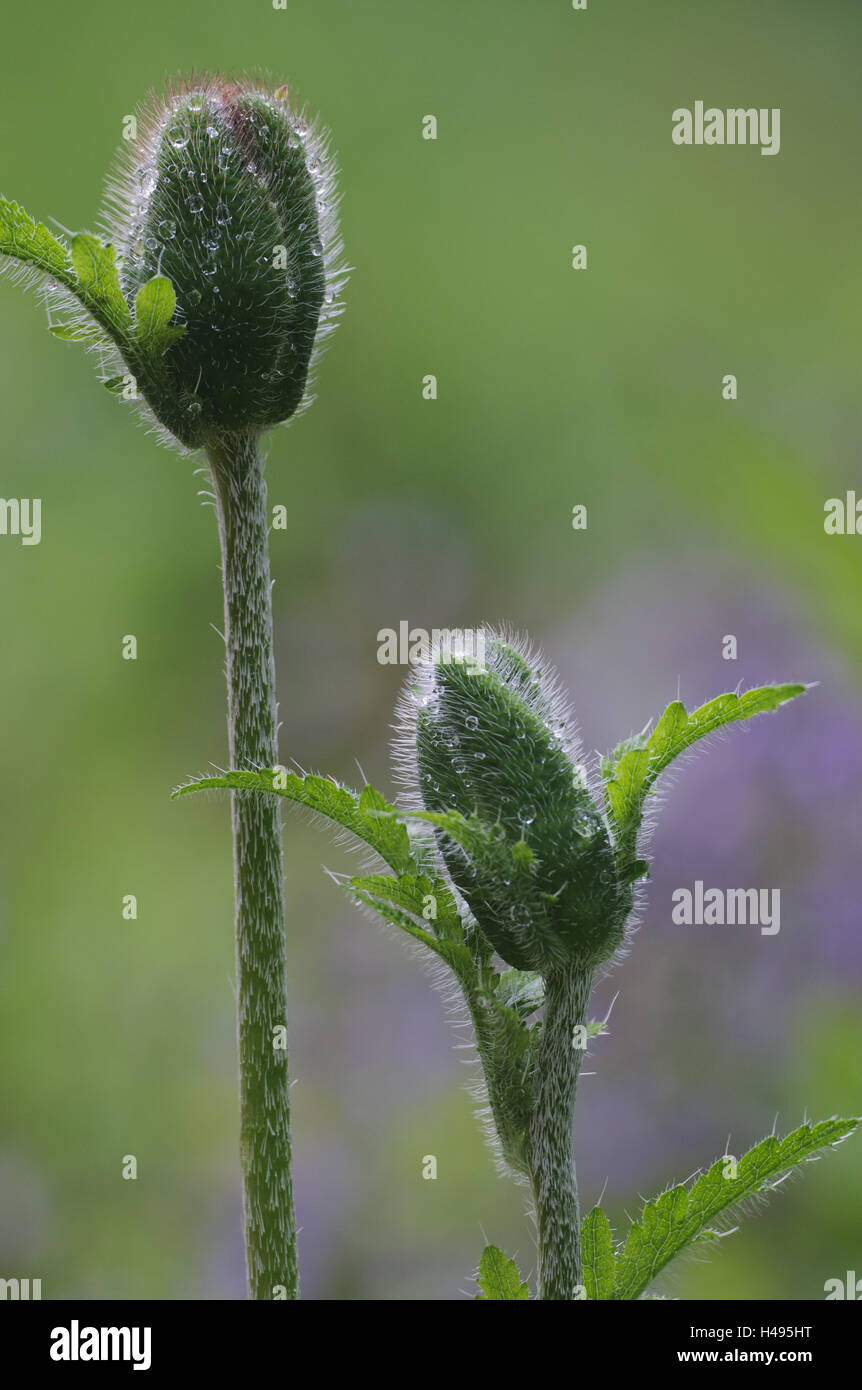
[497, 744]
[229, 193]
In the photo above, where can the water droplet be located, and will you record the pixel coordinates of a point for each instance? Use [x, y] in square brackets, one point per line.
[263, 260]
[152, 244]
[212, 132]
[303, 226]
[472, 721]
[168, 229]
[193, 297]
[148, 179]
[223, 156]
[480, 756]
[527, 815]
[196, 101]
[195, 202]
[194, 408]
[209, 270]
[316, 248]
[179, 134]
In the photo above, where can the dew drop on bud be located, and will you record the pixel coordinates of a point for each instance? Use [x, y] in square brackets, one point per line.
[179, 135]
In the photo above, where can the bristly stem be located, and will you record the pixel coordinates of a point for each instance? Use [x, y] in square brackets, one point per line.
[552, 1168]
[265, 1143]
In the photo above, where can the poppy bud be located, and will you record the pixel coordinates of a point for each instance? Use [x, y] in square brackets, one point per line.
[494, 741]
[229, 194]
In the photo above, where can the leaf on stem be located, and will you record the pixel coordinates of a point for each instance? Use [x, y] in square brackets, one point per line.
[155, 305]
[598, 1256]
[366, 815]
[24, 239]
[684, 1215]
[498, 1278]
[631, 771]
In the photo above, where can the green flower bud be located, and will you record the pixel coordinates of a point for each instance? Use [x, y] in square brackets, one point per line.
[229, 193]
[496, 742]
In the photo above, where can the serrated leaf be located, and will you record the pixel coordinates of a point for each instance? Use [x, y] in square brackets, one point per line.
[25, 239]
[98, 284]
[632, 770]
[155, 304]
[673, 1221]
[498, 1278]
[415, 893]
[89, 270]
[368, 816]
[598, 1256]
[401, 901]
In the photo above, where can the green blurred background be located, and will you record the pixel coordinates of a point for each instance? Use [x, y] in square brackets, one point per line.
[556, 387]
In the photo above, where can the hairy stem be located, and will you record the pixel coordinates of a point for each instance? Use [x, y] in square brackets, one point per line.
[265, 1147]
[552, 1168]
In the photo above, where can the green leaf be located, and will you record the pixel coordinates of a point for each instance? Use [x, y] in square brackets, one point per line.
[498, 1278]
[155, 304]
[368, 816]
[24, 239]
[684, 1215]
[402, 900]
[89, 270]
[98, 284]
[632, 770]
[598, 1256]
